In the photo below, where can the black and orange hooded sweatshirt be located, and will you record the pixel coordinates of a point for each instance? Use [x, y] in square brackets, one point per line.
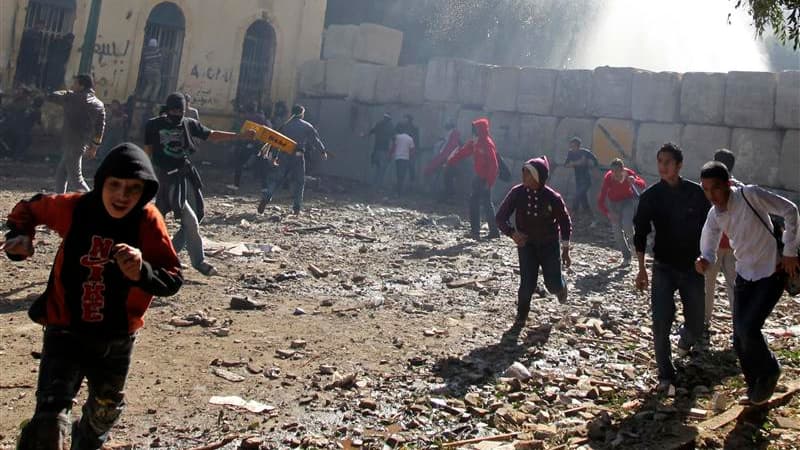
[483, 152]
[87, 292]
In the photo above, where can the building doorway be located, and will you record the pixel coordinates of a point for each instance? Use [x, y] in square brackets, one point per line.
[255, 70]
[46, 44]
[161, 54]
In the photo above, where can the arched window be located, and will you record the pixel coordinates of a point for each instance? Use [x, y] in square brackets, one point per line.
[46, 43]
[255, 70]
[166, 25]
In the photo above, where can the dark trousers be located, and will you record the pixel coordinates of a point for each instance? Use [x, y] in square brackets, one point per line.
[582, 196]
[753, 302]
[401, 167]
[546, 255]
[691, 287]
[481, 197]
[244, 153]
[290, 168]
[66, 359]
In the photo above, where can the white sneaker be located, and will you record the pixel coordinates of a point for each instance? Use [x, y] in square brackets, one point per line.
[232, 187]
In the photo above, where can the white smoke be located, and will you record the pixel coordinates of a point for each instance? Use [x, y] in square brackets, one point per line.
[671, 35]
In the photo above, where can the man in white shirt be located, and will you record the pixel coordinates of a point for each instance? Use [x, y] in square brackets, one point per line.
[402, 152]
[760, 273]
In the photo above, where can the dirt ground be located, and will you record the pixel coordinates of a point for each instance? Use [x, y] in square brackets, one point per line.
[401, 341]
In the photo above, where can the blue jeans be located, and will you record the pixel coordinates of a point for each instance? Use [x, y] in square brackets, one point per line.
[188, 235]
[66, 359]
[69, 173]
[546, 255]
[292, 168]
[622, 227]
[753, 302]
[691, 286]
[581, 201]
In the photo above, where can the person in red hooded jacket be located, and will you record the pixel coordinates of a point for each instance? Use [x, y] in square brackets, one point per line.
[484, 155]
[617, 201]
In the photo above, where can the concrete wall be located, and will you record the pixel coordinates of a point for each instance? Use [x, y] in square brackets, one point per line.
[212, 48]
[619, 112]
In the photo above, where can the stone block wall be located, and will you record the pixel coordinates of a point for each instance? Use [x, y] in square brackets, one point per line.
[618, 112]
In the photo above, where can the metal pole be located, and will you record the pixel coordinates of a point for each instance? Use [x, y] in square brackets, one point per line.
[87, 51]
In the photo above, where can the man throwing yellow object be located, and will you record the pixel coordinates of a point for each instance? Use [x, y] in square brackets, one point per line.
[292, 166]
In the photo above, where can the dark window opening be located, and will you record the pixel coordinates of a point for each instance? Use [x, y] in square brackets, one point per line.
[255, 71]
[46, 44]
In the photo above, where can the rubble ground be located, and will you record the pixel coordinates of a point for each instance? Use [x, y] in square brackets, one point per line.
[374, 322]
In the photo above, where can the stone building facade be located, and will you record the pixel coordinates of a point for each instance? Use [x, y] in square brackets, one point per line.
[216, 51]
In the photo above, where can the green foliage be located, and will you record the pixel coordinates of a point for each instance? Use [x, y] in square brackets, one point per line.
[782, 16]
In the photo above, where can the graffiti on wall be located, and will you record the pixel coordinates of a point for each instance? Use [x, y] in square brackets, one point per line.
[109, 65]
[212, 73]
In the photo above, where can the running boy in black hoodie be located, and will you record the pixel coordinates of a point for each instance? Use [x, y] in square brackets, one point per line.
[115, 256]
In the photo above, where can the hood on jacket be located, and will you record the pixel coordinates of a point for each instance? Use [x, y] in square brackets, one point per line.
[127, 160]
[481, 127]
[542, 167]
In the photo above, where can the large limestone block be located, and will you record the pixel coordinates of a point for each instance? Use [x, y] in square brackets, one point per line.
[613, 138]
[703, 98]
[389, 84]
[336, 127]
[537, 136]
[789, 167]
[567, 129]
[413, 85]
[311, 79]
[339, 41]
[655, 96]
[758, 155]
[536, 91]
[650, 138]
[378, 44]
[750, 99]
[573, 93]
[364, 83]
[501, 94]
[787, 100]
[611, 92]
[699, 142]
[338, 77]
[441, 80]
[505, 132]
[473, 79]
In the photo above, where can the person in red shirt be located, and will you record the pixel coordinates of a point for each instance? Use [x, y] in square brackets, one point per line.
[115, 255]
[617, 201]
[484, 155]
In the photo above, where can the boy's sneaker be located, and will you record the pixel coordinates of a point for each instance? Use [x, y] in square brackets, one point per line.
[665, 386]
[262, 205]
[562, 296]
[493, 235]
[763, 388]
[232, 187]
[207, 270]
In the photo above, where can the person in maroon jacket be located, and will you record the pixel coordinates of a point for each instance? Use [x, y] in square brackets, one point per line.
[484, 155]
[540, 217]
[621, 187]
[115, 256]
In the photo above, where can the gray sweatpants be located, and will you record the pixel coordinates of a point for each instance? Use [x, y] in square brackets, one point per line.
[69, 173]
